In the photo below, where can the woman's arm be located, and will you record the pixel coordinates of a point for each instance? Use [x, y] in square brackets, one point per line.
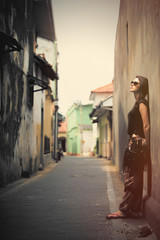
[145, 119]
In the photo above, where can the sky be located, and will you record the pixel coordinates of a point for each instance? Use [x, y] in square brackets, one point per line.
[86, 31]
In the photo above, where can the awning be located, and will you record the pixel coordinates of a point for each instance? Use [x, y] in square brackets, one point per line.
[39, 82]
[95, 120]
[61, 118]
[97, 112]
[47, 70]
[45, 67]
[106, 105]
[11, 43]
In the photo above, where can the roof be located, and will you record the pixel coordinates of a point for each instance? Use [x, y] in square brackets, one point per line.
[44, 21]
[105, 89]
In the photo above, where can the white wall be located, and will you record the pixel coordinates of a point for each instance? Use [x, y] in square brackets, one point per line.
[87, 142]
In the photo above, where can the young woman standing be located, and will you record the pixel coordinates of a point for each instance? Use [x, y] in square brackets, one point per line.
[139, 133]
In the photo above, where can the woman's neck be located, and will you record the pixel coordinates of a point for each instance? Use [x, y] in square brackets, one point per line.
[137, 95]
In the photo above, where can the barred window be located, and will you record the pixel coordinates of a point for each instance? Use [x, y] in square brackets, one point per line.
[30, 93]
[46, 144]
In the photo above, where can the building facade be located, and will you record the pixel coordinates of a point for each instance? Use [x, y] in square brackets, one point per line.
[136, 53]
[26, 98]
[79, 130]
[101, 116]
[62, 135]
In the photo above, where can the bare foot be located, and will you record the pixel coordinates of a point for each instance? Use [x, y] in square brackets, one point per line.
[117, 214]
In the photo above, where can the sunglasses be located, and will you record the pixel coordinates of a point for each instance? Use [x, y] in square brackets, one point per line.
[134, 83]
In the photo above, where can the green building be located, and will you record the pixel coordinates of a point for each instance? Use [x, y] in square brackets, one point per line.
[79, 130]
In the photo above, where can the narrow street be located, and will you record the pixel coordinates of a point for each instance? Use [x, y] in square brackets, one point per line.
[68, 200]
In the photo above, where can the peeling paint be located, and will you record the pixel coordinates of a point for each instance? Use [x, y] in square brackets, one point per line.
[21, 136]
[13, 108]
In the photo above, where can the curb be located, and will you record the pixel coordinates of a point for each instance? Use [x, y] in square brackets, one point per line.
[19, 184]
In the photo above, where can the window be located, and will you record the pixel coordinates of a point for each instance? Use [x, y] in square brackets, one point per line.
[30, 88]
[46, 144]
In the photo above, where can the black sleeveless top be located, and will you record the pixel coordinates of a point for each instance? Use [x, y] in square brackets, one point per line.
[135, 124]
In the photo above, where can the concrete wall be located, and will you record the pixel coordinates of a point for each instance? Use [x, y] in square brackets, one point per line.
[20, 122]
[43, 126]
[15, 117]
[137, 53]
[87, 142]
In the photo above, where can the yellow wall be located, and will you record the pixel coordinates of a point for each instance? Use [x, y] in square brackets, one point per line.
[48, 119]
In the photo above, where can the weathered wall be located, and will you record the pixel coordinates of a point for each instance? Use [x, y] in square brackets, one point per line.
[43, 123]
[87, 143]
[48, 127]
[137, 53]
[38, 119]
[26, 117]
[16, 118]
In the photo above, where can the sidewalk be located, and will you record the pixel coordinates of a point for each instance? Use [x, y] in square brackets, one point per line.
[68, 200]
[127, 227]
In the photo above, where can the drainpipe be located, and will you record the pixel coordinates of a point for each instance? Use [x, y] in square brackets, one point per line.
[56, 122]
[56, 111]
[56, 131]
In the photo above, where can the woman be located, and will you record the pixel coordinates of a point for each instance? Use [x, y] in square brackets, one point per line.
[138, 130]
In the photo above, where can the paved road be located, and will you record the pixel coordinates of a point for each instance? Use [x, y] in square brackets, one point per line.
[68, 201]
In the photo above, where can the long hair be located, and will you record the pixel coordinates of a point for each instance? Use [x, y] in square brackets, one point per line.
[143, 86]
[144, 90]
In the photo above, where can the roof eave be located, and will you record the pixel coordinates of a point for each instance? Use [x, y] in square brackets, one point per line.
[44, 22]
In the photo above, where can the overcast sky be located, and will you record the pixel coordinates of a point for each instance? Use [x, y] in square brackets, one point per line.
[86, 31]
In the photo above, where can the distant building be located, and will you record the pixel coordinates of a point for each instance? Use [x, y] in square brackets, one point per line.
[101, 116]
[62, 135]
[99, 94]
[79, 130]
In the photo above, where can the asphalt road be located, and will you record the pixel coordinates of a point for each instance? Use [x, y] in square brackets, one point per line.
[66, 201]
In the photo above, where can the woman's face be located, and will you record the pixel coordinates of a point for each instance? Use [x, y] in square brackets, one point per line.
[135, 85]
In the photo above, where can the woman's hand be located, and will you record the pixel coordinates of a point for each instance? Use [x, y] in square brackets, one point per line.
[144, 142]
[137, 137]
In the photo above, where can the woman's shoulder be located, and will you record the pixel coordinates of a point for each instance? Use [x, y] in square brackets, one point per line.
[143, 101]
